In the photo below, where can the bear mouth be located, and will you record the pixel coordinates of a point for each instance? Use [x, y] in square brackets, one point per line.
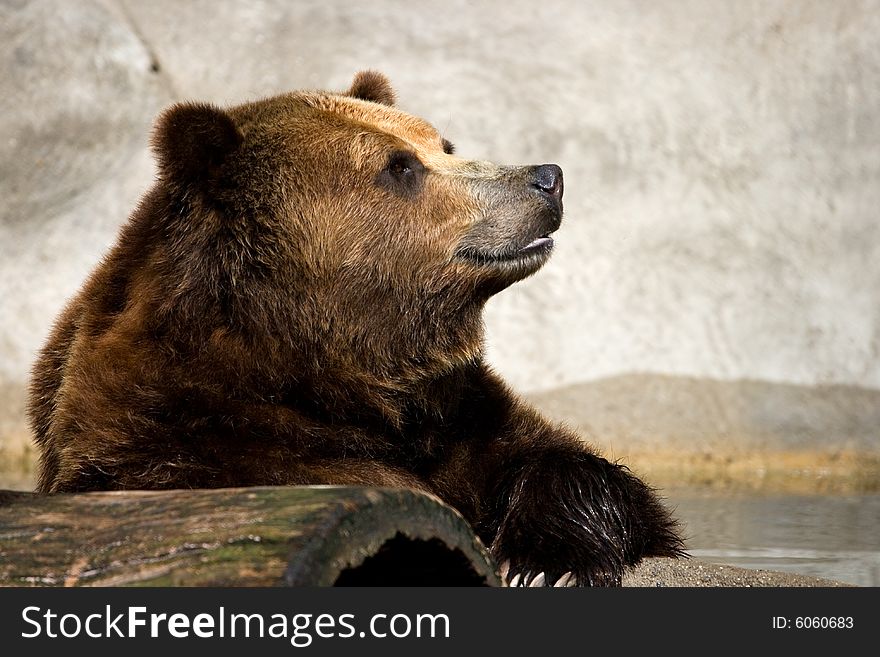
[538, 249]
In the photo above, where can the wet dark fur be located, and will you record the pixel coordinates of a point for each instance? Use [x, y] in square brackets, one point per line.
[240, 334]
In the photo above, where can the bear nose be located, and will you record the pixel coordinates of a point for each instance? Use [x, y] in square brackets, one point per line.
[548, 179]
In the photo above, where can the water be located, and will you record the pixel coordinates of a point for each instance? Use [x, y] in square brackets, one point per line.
[831, 536]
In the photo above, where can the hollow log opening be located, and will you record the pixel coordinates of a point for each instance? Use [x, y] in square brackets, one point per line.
[404, 561]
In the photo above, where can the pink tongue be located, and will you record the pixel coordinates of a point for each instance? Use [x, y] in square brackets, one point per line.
[536, 242]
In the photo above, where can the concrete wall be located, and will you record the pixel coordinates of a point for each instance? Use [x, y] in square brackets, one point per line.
[721, 159]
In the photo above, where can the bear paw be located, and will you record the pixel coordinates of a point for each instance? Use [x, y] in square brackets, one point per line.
[583, 518]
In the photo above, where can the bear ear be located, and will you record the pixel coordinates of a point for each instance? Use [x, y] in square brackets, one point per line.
[372, 86]
[192, 140]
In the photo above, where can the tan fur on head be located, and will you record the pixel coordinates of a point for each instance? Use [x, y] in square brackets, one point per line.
[372, 86]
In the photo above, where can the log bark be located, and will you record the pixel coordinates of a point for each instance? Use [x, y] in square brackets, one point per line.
[293, 536]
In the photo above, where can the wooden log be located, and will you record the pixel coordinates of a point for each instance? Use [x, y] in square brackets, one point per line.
[294, 536]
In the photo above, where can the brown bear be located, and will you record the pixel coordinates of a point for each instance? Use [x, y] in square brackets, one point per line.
[298, 300]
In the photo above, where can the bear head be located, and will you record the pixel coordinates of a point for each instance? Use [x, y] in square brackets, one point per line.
[338, 227]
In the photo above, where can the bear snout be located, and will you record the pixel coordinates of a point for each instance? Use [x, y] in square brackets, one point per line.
[547, 179]
[523, 209]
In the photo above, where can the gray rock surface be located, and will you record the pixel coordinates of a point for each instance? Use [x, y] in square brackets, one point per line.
[696, 573]
[687, 430]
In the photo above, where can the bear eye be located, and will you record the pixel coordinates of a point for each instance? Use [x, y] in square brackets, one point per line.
[400, 167]
[402, 174]
[403, 164]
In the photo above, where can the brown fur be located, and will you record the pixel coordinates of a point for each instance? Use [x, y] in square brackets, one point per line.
[372, 85]
[298, 301]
